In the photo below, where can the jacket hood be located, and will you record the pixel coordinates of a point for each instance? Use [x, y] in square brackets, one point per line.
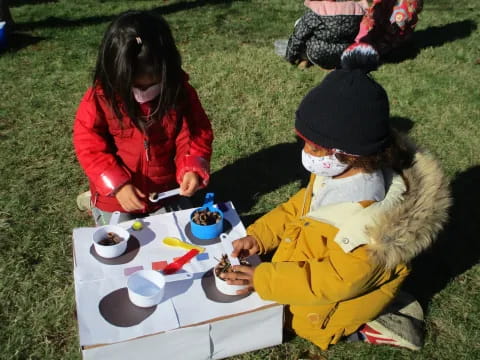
[332, 8]
[407, 228]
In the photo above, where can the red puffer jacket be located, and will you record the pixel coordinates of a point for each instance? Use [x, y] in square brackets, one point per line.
[113, 155]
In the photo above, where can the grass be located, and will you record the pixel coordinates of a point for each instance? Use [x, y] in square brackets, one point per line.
[250, 95]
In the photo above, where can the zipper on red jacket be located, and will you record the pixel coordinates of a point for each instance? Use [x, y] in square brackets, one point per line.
[146, 165]
[146, 145]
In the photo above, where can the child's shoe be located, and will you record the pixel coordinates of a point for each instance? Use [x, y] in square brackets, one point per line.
[372, 336]
[401, 325]
[302, 65]
[84, 201]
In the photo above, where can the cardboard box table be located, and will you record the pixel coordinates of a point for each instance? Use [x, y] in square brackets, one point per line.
[193, 321]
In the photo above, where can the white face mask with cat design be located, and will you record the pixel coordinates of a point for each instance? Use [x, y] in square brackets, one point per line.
[328, 166]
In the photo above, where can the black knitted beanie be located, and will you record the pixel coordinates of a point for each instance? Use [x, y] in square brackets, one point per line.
[349, 110]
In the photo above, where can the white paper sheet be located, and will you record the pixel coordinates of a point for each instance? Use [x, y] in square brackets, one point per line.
[96, 329]
[151, 248]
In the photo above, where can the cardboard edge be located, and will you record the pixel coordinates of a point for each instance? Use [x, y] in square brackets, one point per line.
[87, 347]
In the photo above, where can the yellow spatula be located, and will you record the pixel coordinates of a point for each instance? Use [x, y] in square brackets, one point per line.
[171, 241]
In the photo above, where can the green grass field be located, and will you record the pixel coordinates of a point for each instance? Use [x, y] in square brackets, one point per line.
[250, 95]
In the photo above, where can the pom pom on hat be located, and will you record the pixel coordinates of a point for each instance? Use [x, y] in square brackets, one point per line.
[348, 110]
[360, 56]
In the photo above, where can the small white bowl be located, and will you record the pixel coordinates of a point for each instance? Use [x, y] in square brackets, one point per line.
[110, 251]
[146, 288]
[225, 288]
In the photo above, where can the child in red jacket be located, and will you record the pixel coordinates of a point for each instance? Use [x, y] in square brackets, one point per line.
[140, 129]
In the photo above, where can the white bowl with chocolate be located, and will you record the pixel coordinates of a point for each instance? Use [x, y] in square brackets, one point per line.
[110, 241]
[224, 267]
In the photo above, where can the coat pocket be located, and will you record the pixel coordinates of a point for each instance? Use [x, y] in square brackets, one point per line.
[314, 317]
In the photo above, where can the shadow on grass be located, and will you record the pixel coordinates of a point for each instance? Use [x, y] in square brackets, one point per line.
[431, 37]
[457, 248]
[52, 22]
[247, 179]
[18, 41]
[14, 3]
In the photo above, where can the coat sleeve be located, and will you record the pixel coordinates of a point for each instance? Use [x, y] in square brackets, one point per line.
[302, 32]
[94, 149]
[194, 141]
[339, 277]
[269, 228]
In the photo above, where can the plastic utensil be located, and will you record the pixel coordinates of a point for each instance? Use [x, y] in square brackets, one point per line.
[228, 247]
[207, 232]
[157, 197]
[114, 218]
[175, 242]
[178, 264]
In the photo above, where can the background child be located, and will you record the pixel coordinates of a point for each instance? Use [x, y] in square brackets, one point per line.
[344, 243]
[140, 128]
[389, 24]
[325, 30]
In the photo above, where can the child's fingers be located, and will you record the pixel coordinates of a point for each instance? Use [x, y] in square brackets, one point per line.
[186, 187]
[139, 193]
[188, 191]
[132, 203]
[247, 290]
[243, 269]
[238, 282]
[190, 184]
[237, 248]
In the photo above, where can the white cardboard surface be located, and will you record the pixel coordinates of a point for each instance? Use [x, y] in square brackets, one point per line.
[252, 331]
[191, 343]
[185, 304]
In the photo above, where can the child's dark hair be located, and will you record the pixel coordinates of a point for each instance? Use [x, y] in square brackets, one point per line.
[396, 156]
[138, 43]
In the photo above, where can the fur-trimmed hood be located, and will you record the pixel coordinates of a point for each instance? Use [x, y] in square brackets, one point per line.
[405, 229]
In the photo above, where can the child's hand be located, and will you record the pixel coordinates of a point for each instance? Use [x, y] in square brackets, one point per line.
[245, 246]
[190, 183]
[241, 275]
[130, 198]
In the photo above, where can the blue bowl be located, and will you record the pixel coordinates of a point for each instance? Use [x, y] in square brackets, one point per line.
[207, 232]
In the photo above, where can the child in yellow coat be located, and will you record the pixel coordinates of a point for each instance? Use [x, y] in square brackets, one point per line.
[344, 243]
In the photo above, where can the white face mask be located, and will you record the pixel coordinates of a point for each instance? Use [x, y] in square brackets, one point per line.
[328, 166]
[143, 96]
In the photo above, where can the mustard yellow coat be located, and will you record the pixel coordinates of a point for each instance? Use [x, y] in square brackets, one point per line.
[335, 284]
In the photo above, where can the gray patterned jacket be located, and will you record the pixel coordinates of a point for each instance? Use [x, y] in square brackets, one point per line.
[325, 30]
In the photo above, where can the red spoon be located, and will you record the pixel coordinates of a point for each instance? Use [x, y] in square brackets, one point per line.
[178, 264]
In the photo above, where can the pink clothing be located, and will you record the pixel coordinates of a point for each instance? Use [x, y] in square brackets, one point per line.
[389, 23]
[332, 8]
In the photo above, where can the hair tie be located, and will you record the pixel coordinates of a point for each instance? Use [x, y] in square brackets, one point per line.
[139, 40]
